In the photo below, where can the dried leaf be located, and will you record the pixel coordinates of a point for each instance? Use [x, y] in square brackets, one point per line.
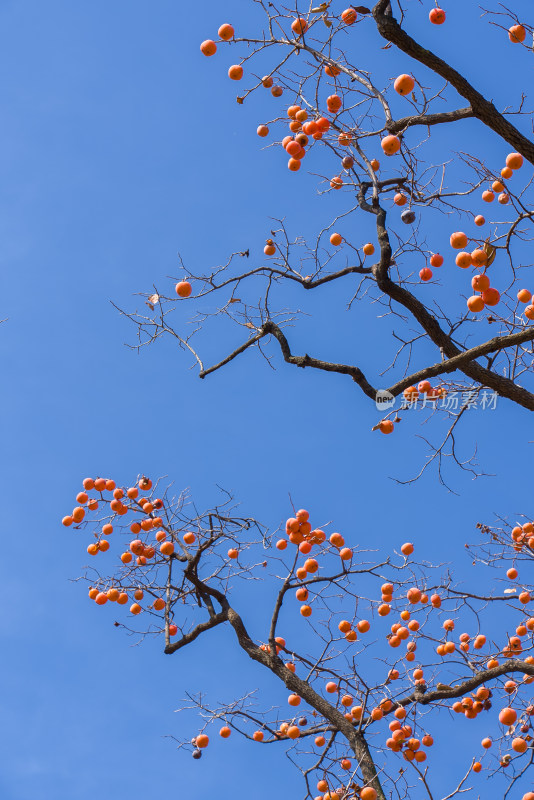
[153, 298]
[249, 325]
[327, 22]
[376, 427]
[362, 9]
[235, 299]
[490, 251]
[239, 100]
[510, 591]
[151, 307]
[319, 9]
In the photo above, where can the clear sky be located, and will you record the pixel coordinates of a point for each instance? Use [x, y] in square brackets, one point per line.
[120, 146]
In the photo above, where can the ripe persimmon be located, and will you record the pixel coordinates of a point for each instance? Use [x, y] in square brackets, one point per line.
[331, 70]
[458, 240]
[349, 16]
[463, 260]
[514, 160]
[294, 700]
[183, 289]
[226, 32]
[386, 426]
[208, 47]
[235, 73]
[480, 283]
[524, 296]
[404, 84]
[491, 297]
[475, 303]
[517, 34]
[262, 130]
[78, 514]
[334, 103]
[507, 716]
[390, 145]
[437, 16]
[479, 257]
[299, 26]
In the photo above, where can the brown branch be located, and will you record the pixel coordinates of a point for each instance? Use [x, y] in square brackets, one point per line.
[202, 627]
[485, 377]
[456, 362]
[271, 327]
[424, 698]
[483, 109]
[399, 125]
[303, 689]
[237, 352]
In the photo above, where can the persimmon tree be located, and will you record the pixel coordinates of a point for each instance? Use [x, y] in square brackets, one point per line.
[389, 645]
[391, 648]
[371, 141]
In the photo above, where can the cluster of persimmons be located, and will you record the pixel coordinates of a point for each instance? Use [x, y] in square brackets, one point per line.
[134, 511]
[305, 129]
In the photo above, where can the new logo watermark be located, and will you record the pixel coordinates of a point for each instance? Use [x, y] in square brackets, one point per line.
[384, 399]
[448, 401]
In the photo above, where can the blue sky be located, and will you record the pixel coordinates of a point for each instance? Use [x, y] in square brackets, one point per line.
[121, 146]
